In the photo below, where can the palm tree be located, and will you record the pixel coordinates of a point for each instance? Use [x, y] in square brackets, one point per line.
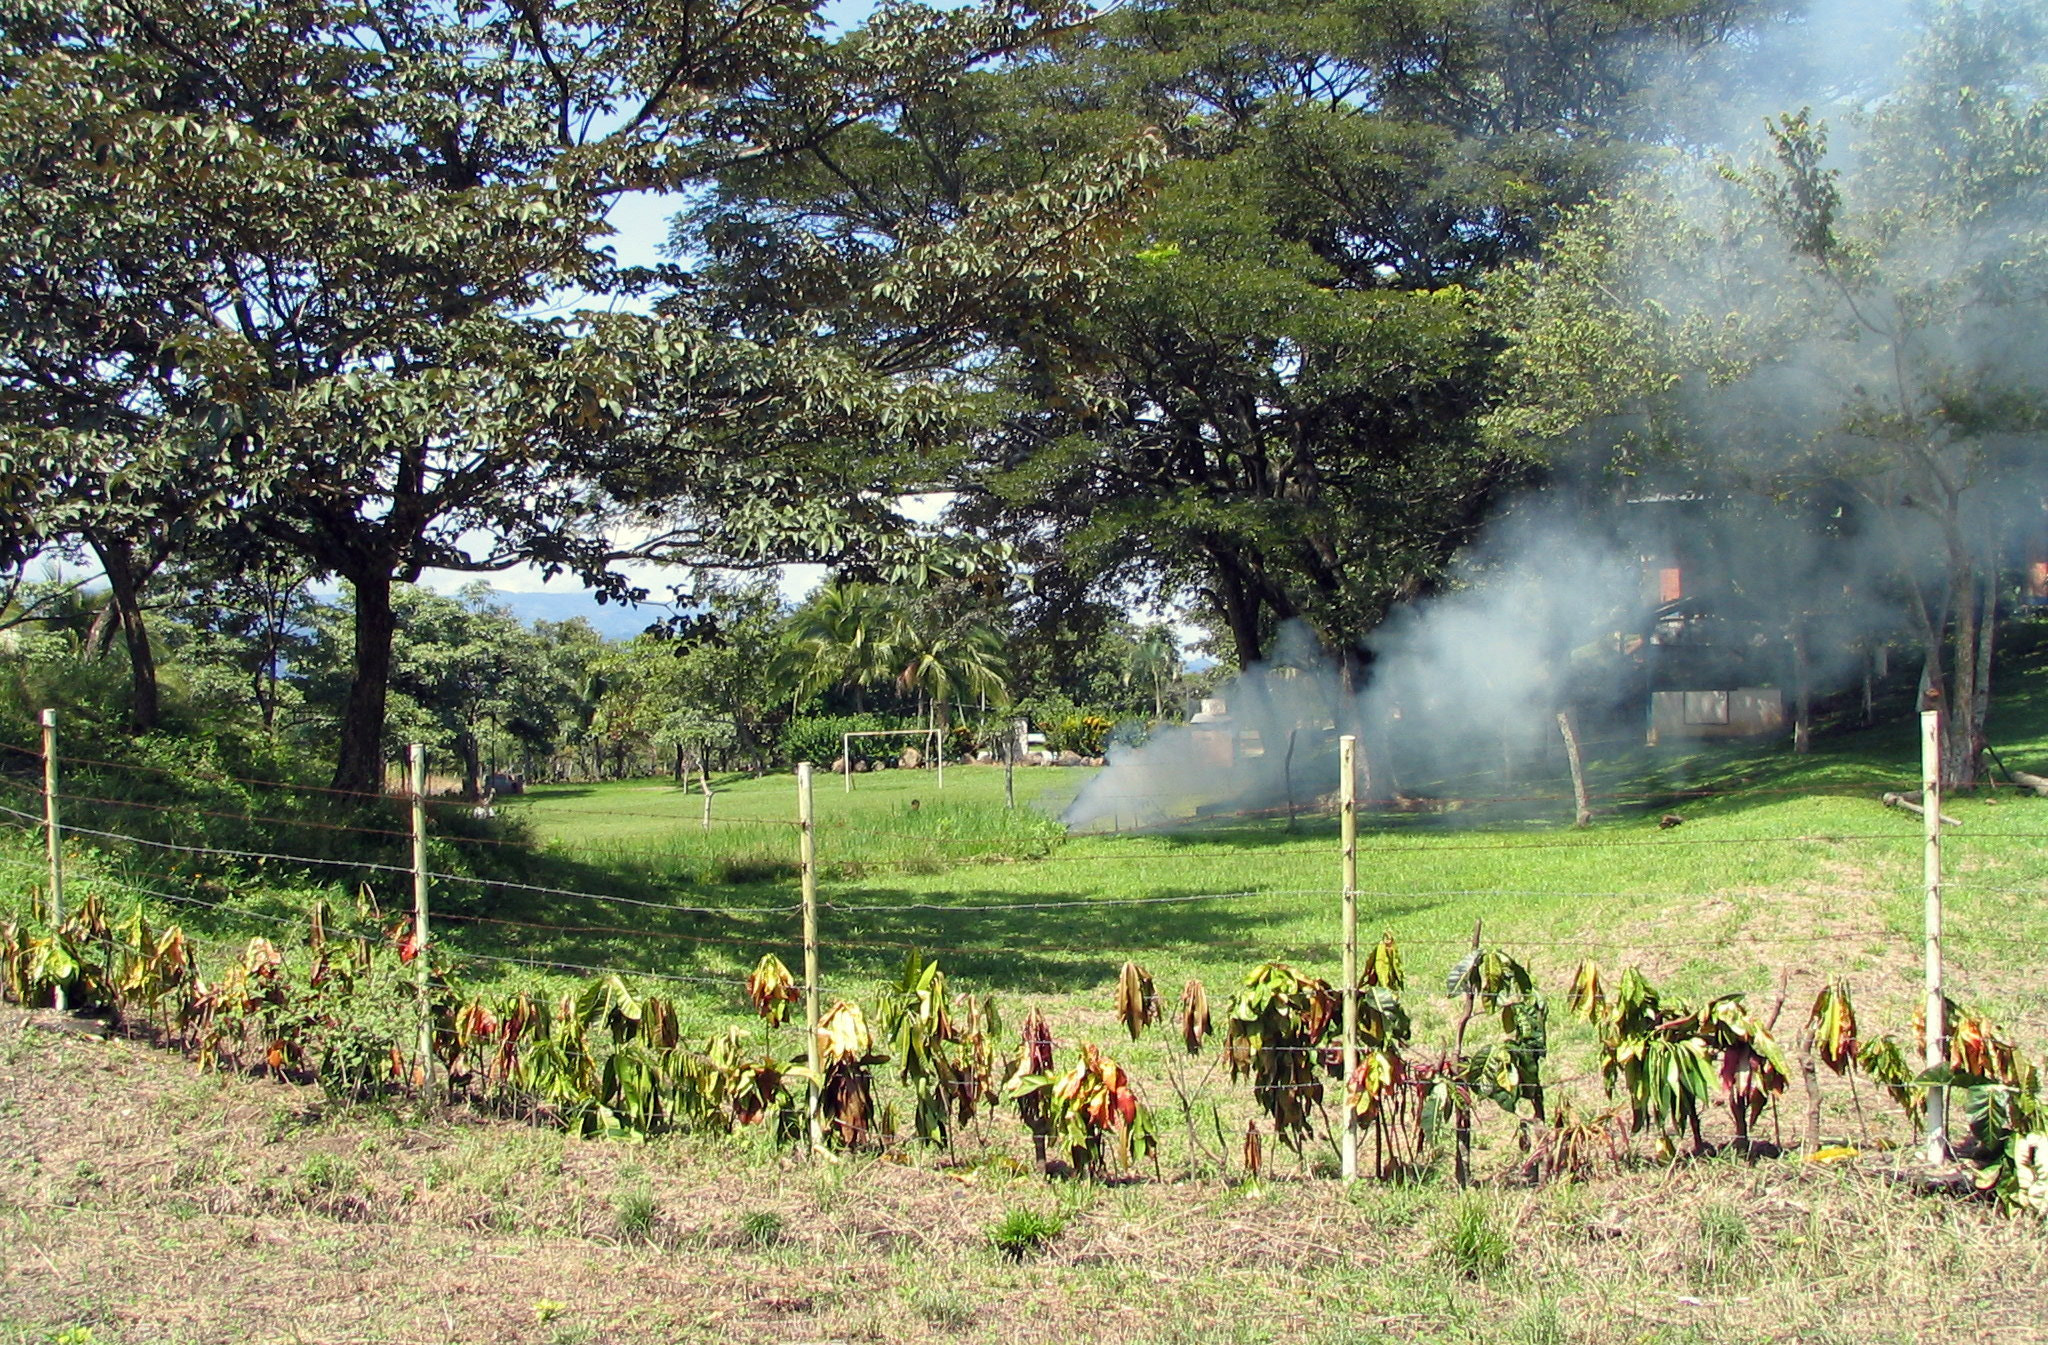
[847, 635]
[1154, 658]
[942, 663]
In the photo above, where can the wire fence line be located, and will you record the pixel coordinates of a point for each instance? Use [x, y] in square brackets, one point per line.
[543, 936]
[858, 910]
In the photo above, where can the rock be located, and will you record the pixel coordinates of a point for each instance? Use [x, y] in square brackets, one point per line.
[860, 768]
[910, 759]
[1093, 761]
[1069, 759]
[838, 765]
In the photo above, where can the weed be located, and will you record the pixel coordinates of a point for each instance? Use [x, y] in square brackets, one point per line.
[322, 1174]
[1723, 1237]
[1474, 1243]
[636, 1211]
[1023, 1231]
[1540, 1325]
[941, 1307]
[763, 1228]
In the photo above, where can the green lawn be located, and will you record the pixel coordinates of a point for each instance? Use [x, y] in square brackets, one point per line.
[1785, 870]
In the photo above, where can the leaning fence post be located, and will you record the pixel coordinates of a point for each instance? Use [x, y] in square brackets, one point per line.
[1347, 795]
[419, 909]
[54, 832]
[1937, 1020]
[807, 859]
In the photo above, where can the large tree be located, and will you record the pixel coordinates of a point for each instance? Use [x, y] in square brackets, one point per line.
[320, 253]
[1270, 402]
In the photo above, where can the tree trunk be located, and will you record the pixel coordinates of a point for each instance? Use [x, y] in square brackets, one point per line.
[467, 748]
[359, 761]
[125, 578]
[1582, 804]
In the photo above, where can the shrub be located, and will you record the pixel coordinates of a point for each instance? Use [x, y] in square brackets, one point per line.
[818, 740]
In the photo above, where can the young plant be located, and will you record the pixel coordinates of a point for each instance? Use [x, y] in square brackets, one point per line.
[1194, 1016]
[914, 1017]
[2001, 1094]
[772, 990]
[1137, 1003]
[1094, 1105]
[846, 1093]
[1029, 1081]
[1277, 1027]
[1668, 1057]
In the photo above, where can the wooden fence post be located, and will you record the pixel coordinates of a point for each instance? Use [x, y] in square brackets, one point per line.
[1582, 810]
[54, 833]
[418, 762]
[807, 858]
[1347, 795]
[1937, 1021]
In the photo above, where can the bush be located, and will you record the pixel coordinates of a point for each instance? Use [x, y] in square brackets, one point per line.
[818, 740]
[1085, 734]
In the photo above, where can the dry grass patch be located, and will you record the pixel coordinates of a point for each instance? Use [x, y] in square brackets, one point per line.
[148, 1204]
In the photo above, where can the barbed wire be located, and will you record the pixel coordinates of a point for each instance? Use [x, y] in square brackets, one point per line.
[432, 875]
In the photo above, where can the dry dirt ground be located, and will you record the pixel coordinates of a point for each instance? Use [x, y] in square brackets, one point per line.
[141, 1201]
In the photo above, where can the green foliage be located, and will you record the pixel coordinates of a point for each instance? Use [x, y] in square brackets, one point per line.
[1474, 1243]
[1024, 1231]
[1278, 1024]
[1083, 734]
[818, 739]
[943, 1050]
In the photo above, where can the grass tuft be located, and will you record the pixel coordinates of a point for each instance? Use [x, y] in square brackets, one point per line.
[636, 1211]
[763, 1228]
[1473, 1241]
[1023, 1231]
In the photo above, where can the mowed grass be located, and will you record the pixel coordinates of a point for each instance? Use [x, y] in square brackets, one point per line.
[1780, 863]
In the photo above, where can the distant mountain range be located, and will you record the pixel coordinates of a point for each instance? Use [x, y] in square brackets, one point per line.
[614, 621]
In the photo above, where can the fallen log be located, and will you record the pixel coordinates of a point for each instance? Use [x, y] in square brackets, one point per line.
[2037, 783]
[1906, 801]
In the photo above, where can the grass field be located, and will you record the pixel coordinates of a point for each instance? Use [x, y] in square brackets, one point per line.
[1784, 871]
